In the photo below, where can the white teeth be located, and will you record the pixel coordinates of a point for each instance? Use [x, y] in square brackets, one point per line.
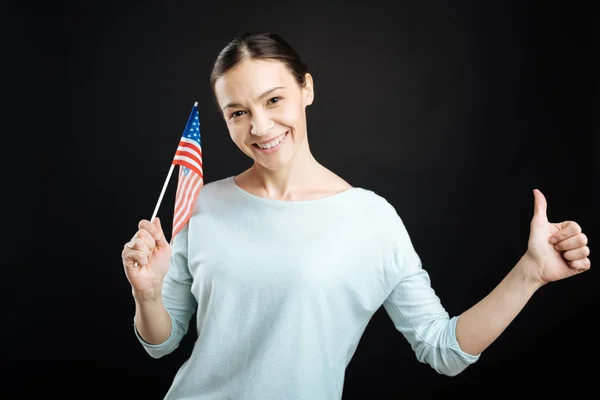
[272, 143]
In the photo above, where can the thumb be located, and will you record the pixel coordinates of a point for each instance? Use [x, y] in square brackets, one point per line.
[161, 241]
[539, 206]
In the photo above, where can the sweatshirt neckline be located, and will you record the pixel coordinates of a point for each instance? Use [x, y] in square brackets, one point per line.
[318, 201]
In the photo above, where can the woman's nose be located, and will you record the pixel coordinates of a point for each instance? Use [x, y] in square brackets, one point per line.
[261, 125]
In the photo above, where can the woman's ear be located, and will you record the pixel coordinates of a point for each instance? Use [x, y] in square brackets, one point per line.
[308, 92]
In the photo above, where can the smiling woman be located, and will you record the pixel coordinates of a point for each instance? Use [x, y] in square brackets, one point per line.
[286, 263]
[262, 87]
[268, 125]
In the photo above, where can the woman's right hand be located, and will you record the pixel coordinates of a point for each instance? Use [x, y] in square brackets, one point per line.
[146, 258]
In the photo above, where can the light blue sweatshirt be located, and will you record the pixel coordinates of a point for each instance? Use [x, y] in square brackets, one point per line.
[283, 291]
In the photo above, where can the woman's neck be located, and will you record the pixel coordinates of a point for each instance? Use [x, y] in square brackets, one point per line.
[292, 182]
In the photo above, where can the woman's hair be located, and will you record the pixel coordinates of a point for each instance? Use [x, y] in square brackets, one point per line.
[257, 46]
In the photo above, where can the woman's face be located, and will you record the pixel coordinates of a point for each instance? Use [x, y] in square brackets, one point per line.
[264, 108]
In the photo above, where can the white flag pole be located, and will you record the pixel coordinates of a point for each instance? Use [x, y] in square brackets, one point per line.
[162, 192]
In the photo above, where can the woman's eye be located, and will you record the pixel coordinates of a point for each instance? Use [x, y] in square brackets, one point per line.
[236, 114]
[274, 99]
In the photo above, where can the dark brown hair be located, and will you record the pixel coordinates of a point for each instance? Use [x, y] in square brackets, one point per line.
[257, 45]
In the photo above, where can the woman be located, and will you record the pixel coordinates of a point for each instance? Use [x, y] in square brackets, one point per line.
[286, 262]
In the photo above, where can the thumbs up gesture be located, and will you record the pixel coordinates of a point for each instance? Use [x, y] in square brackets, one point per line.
[555, 250]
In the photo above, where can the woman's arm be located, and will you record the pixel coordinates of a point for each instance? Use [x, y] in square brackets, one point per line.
[481, 324]
[545, 261]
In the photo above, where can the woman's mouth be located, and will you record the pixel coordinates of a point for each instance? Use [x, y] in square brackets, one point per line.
[272, 145]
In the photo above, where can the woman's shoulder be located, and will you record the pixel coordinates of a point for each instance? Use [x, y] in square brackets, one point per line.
[218, 184]
[332, 182]
[216, 190]
[333, 187]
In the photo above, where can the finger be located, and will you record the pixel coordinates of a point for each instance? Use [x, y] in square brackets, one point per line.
[583, 264]
[161, 240]
[572, 242]
[576, 254]
[150, 227]
[565, 230]
[134, 258]
[138, 244]
[147, 238]
[540, 206]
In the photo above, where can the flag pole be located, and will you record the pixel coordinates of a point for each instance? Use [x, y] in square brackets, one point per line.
[162, 193]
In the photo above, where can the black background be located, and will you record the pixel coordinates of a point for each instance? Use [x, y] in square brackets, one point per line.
[453, 111]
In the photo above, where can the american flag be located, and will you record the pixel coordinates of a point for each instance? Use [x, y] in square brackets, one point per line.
[191, 178]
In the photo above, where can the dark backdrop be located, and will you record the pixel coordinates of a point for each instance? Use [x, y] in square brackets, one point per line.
[453, 111]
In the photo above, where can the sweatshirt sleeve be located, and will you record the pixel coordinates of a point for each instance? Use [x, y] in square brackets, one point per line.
[178, 299]
[417, 312]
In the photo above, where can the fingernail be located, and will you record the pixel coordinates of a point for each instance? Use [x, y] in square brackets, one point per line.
[553, 240]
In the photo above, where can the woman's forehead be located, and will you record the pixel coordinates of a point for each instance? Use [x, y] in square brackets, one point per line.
[254, 72]
[252, 78]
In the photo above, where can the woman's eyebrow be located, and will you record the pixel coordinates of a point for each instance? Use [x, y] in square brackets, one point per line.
[265, 94]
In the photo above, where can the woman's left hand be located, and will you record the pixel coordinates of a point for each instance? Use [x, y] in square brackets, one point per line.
[555, 250]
